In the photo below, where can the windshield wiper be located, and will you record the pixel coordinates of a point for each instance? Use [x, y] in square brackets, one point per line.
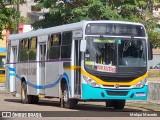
[128, 43]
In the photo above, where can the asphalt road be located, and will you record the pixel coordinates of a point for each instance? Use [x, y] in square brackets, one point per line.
[84, 110]
[10, 103]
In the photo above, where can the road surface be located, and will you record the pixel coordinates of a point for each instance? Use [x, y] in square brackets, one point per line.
[83, 110]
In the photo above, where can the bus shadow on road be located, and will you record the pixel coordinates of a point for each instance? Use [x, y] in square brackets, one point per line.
[13, 100]
[88, 107]
[41, 102]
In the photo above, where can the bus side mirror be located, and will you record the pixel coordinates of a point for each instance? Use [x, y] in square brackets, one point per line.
[83, 46]
[150, 53]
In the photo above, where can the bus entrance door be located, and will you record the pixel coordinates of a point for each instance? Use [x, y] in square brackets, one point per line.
[77, 72]
[42, 57]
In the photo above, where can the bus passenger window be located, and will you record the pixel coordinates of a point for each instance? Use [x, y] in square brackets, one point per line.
[55, 39]
[23, 51]
[54, 49]
[66, 44]
[33, 48]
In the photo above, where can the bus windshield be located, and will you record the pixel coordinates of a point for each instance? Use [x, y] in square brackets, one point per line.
[2, 61]
[107, 54]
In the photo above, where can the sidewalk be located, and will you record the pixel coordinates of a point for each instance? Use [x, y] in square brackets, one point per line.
[154, 79]
[144, 101]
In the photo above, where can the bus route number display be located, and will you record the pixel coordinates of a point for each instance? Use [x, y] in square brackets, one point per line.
[104, 68]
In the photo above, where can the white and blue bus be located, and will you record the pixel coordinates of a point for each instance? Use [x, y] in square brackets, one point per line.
[84, 61]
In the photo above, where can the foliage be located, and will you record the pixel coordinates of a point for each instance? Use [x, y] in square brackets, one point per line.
[139, 11]
[154, 37]
[64, 12]
[7, 17]
[68, 11]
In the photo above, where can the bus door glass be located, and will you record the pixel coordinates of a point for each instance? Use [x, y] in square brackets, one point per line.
[77, 64]
[42, 57]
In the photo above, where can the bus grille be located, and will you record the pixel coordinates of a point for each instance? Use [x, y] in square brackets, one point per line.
[117, 93]
[116, 79]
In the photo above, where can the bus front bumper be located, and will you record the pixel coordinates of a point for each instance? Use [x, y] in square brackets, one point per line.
[91, 93]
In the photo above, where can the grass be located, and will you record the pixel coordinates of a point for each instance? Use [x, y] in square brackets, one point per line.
[148, 106]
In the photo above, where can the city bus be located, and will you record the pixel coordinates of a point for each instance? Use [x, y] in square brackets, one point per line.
[99, 60]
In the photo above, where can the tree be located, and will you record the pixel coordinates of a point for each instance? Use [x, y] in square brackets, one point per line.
[154, 37]
[68, 11]
[63, 12]
[139, 11]
[7, 16]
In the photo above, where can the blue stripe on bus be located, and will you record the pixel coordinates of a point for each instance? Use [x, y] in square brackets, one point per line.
[12, 74]
[11, 69]
[40, 86]
[45, 86]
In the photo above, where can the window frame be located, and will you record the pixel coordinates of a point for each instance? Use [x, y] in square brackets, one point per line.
[54, 46]
[66, 44]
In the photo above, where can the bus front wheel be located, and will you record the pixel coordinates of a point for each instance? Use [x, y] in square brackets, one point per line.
[119, 104]
[67, 102]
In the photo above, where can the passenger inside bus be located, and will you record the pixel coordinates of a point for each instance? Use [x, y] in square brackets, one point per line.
[55, 40]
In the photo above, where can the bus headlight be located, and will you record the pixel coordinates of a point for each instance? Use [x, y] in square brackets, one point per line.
[141, 83]
[90, 81]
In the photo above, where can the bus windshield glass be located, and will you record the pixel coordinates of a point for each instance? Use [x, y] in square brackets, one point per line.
[2, 61]
[115, 29]
[108, 54]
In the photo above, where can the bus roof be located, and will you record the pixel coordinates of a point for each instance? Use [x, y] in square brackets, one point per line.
[67, 27]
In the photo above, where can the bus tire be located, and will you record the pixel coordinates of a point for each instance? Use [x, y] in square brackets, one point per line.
[35, 99]
[119, 104]
[26, 99]
[66, 101]
[109, 103]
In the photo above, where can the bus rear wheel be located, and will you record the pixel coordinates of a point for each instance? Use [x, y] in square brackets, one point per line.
[27, 99]
[24, 97]
[35, 99]
[67, 102]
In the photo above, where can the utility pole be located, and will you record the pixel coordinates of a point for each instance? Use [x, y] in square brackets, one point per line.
[17, 21]
[16, 7]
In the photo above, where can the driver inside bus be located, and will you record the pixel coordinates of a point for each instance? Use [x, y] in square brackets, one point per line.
[55, 40]
[108, 54]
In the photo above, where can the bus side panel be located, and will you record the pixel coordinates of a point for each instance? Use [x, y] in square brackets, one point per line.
[32, 79]
[29, 74]
[52, 78]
